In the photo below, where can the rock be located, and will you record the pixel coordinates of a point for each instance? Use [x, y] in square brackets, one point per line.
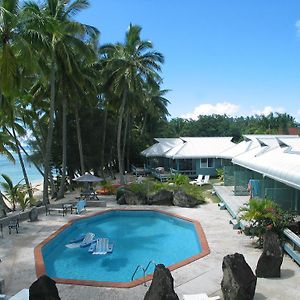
[238, 281]
[121, 200]
[33, 214]
[134, 199]
[162, 286]
[43, 288]
[162, 197]
[183, 200]
[269, 263]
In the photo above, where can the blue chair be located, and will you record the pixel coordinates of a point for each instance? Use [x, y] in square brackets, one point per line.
[80, 206]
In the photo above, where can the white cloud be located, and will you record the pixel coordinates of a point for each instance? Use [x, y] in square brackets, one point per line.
[298, 111]
[227, 108]
[267, 110]
[297, 25]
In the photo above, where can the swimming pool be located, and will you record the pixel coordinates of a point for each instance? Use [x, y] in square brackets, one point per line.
[138, 236]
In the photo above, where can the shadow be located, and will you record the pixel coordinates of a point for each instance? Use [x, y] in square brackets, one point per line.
[259, 296]
[114, 264]
[287, 273]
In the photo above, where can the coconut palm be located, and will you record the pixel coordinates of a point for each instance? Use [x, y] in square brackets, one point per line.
[129, 66]
[55, 32]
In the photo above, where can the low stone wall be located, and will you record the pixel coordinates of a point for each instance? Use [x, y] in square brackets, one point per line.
[23, 215]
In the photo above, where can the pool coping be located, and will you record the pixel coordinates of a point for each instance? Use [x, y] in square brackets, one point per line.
[41, 270]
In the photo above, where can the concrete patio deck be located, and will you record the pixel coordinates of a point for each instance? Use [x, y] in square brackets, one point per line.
[201, 276]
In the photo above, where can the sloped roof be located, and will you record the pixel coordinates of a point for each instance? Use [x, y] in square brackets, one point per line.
[160, 148]
[275, 160]
[197, 147]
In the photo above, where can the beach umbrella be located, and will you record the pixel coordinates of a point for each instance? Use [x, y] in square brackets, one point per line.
[88, 178]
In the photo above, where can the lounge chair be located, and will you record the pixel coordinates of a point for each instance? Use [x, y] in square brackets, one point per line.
[199, 297]
[88, 239]
[196, 181]
[101, 247]
[93, 246]
[80, 206]
[61, 209]
[204, 181]
[78, 238]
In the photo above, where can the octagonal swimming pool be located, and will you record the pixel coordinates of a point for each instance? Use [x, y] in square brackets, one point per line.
[137, 236]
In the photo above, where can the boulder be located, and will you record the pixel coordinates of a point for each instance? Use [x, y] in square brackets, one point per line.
[269, 263]
[238, 281]
[43, 288]
[134, 199]
[162, 286]
[181, 199]
[162, 197]
[33, 214]
[121, 200]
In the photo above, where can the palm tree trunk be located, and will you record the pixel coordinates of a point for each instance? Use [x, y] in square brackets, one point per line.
[27, 154]
[29, 189]
[119, 150]
[125, 133]
[50, 131]
[79, 139]
[103, 142]
[61, 190]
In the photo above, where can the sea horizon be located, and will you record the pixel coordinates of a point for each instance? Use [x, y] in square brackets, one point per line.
[14, 170]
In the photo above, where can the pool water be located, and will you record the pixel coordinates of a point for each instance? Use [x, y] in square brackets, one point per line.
[137, 236]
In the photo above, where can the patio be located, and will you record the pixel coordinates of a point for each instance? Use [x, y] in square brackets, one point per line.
[203, 275]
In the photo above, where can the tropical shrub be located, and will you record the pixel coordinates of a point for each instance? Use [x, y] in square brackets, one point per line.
[263, 215]
[179, 179]
[12, 191]
[220, 174]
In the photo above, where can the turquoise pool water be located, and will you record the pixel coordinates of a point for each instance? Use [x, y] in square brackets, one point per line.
[138, 237]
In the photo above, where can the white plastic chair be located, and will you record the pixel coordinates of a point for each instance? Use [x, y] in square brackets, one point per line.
[198, 180]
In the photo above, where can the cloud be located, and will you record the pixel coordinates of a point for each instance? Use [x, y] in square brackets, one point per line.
[227, 108]
[267, 110]
[297, 25]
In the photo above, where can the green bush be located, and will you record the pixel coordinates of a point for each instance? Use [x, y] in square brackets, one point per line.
[179, 179]
[220, 174]
[263, 215]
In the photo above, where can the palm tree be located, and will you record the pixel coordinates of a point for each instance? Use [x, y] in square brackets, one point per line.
[129, 66]
[52, 26]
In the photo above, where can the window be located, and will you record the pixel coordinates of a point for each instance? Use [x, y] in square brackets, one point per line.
[207, 163]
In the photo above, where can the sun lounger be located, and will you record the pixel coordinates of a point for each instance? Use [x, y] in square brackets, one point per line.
[80, 206]
[198, 180]
[204, 181]
[78, 239]
[202, 296]
[93, 246]
[61, 209]
[88, 239]
[101, 247]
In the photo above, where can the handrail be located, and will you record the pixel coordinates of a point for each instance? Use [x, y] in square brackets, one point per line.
[144, 270]
[136, 269]
[149, 263]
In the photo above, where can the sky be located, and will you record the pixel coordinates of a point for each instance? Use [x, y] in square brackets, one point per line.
[239, 57]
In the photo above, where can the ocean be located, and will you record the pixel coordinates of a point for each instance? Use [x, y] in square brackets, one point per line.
[14, 170]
